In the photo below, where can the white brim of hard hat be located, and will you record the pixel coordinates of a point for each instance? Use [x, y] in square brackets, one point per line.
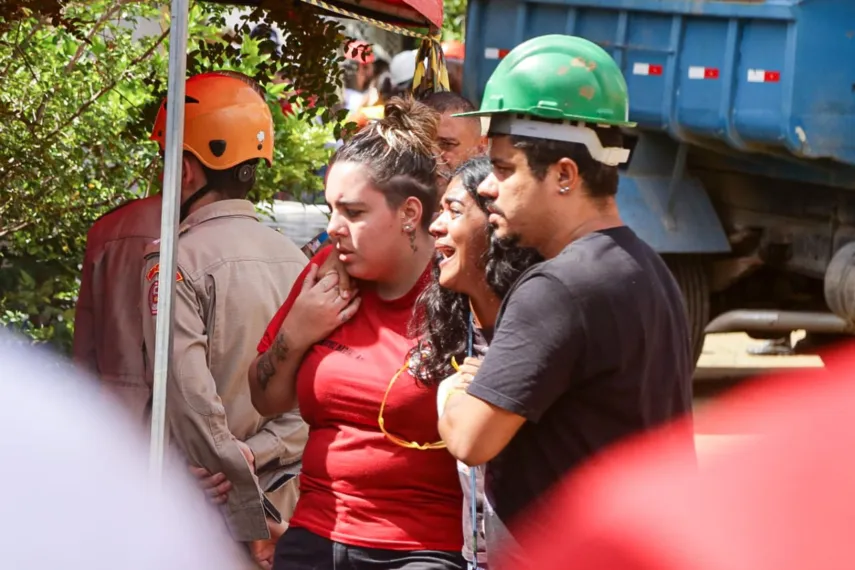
[565, 131]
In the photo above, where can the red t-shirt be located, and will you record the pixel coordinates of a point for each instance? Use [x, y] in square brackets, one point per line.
[357, 487]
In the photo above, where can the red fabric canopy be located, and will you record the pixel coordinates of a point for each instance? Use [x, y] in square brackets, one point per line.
[419, 13]
[429, 10]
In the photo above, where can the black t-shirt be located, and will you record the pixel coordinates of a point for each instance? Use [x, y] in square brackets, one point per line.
[589, 347]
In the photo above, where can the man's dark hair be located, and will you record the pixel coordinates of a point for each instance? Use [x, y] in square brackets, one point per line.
[600, 179]
[227, 182]
[448, 101]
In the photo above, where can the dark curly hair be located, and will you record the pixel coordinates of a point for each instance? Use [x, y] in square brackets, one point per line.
[443, 314]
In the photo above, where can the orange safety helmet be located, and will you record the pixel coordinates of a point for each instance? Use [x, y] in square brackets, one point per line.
[453, 50]
[226, 120]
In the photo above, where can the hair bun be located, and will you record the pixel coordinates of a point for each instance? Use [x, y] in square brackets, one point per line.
[411, 124]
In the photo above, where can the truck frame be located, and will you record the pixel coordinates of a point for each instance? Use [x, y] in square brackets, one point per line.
[743, 162]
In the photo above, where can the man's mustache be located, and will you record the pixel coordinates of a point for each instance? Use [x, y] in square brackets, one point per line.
[493, 209]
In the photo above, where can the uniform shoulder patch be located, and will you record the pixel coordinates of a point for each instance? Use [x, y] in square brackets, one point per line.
[152, 298]
[154, 288]
[152, 273]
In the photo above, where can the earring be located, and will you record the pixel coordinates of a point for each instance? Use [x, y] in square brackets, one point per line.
[564, 190]
[411, 234]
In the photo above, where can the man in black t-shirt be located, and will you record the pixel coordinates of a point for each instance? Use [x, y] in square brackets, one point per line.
[593, 345]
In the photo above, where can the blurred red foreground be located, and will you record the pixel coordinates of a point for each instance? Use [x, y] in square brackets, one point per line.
[782, 501]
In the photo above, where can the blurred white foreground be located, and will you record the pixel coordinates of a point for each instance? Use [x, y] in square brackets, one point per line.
[75, 481]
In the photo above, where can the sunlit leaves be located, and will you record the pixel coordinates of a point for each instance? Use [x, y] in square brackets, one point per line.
[78, 93]
[454, 23]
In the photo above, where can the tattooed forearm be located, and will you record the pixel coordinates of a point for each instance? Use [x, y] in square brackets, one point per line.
[280, 348]
[266, 367]
[264, 370]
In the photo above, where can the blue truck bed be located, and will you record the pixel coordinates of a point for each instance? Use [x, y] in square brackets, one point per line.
[773, 77]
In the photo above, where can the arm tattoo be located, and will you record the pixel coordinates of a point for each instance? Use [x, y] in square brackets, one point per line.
[264, 370]
[266, 367]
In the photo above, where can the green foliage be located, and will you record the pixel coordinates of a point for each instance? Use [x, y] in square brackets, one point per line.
[66, 102]
[454, 24]
[300, 137]
[78, 93]
[308, 58]
[296, 165]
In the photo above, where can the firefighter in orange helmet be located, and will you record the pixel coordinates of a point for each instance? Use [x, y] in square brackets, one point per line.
[233, 273]
[227, 129]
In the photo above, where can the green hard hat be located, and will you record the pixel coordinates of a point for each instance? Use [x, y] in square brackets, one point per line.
[558, 77]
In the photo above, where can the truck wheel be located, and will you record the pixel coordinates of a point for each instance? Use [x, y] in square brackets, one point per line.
[690, 274]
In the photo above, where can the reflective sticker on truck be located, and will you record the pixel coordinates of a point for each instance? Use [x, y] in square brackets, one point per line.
[646, 69]
[496, 53]
[698, 72]
[763, 76]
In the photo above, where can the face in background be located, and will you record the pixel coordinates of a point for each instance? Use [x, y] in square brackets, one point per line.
[462, 239]
[518, 201]
[366, 232]
[459, 139]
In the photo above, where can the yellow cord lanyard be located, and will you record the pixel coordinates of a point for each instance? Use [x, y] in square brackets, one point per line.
[393, 438]
[473, 486]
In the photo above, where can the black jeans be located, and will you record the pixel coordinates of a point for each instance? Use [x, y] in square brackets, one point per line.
[299, 549]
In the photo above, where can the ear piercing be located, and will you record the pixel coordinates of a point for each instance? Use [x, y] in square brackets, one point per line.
[411, 234]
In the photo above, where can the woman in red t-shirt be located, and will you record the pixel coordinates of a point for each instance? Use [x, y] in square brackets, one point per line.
[377, 488]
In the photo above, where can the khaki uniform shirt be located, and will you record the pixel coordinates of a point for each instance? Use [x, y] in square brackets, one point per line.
[233, 274]
[107, 325]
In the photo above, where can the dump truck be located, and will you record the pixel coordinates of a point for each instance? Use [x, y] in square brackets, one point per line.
[742, 171]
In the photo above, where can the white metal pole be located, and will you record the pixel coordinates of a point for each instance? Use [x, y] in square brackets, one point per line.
[168, 231]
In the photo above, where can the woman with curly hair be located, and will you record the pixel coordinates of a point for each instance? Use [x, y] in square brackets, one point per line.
[458, 310]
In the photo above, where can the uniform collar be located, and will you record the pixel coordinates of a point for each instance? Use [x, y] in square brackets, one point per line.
[221, 209]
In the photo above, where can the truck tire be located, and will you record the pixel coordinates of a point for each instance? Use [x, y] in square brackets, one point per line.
[691, 275]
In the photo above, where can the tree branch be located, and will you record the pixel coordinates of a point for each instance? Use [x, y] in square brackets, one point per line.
[13, 229]
[98, 24]
[106, 88]
[27, 63]
[39, 25]
[13, 46]
[19, 46]
[82, 47]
